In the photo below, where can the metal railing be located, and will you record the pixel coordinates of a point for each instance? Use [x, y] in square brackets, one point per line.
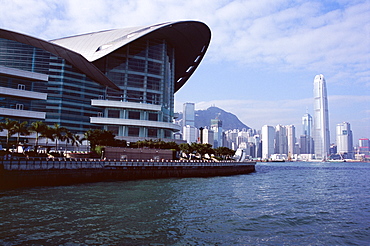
[72, 163]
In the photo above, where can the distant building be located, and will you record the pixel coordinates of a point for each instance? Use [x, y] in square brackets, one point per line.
[190, 134]
[189, 131]
[321, 133]
[291, 139]
[216, 127]
[188, 114]
[268, 135]
[306, 141]
[281, 141]
[344, 140]
[208, 136]
[364, 147]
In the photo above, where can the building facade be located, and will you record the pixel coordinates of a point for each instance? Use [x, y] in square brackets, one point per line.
[306, 141]
[268, 136]
[120, 80]
[281, 140]
[216, 127]
[344, 140]
[290, 130]
[188, 129]
[321, 133]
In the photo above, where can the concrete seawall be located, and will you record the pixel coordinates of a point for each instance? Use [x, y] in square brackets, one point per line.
[37, 172]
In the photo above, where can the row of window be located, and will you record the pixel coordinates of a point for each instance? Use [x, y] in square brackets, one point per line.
[134, 131]
[134, 115]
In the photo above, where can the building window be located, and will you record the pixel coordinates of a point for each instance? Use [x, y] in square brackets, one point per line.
[167, 134]
[152, 133]
[100, 114]
[113, 113]
[21, 87]
[19, 106]
[135, 115]
[153, 116]
[133, 131]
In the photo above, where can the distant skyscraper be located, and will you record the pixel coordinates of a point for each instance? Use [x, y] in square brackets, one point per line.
[189, 132]
[290, 130]
[216, 127]
[188, 114]
[306, 142]
[281, 141]
[321, 133]
[344, 140]
[268, 135]
[364, 147]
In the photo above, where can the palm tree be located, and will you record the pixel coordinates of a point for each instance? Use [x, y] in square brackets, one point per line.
[48, 134]
[76, 140]
[59, 133]
[39, 128]
[8, 125]
[21, 129]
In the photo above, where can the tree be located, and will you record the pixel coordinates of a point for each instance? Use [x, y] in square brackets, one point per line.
[202, 149]
[59, 133]
[76, 140]
[48, 134]
[224, 152]
[99, 137]
[20, 129]
[39, 128]
[186, 148]
[10, 126]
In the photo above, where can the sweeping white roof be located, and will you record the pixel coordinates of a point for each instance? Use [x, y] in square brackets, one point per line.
[190, 39]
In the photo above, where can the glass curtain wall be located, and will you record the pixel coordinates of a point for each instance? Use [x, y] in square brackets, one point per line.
[69, 91]
[144, 71]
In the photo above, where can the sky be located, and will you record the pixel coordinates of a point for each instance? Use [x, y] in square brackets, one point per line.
[262, 58]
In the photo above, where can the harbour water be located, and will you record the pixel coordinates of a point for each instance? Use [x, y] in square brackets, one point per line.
[292, 203]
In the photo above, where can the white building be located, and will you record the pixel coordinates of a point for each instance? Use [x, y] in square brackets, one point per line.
[281, 141]
[190, 134]
[208, 136]
[268, 135]
[344, 140]
[321, 133]
[306, 143]
[290, 130]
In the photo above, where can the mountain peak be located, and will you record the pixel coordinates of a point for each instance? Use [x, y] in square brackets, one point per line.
[229, 121]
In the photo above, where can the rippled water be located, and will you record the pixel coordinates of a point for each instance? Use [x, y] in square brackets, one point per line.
[279, 204]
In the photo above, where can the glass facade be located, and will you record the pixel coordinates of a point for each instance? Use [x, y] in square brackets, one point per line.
[121, 80]
[144, 71]
[69, 91]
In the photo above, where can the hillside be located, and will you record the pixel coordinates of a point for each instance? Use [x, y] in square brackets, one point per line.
[229, 120]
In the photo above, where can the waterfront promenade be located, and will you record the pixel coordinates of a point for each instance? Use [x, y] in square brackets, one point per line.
[64, 171]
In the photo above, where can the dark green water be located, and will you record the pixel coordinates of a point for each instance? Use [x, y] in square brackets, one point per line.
[279, 204]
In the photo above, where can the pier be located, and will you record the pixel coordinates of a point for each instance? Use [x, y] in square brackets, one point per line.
[15, 173]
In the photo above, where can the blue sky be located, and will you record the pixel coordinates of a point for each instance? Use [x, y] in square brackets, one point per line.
[263, 55]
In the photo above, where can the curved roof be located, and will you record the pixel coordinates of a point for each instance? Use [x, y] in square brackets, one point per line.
[189, 38]
[74, 58]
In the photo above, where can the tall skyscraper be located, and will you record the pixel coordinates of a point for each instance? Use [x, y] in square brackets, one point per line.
[268, 135]
[189, 131]
[344, 140]
[321, 133]
[216, 127]
[306, 142]
[290, 130]
[188, 114]
[281, 141]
